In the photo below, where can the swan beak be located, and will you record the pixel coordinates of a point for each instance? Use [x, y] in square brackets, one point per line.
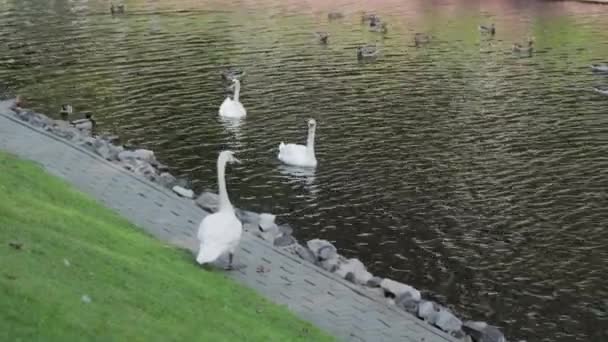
[238, 161]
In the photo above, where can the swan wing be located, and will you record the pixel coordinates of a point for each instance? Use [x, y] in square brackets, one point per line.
[293, 154]
[218, 233]
[232, 109]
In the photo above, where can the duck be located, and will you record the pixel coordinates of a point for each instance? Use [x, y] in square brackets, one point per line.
[17, 104]
[66, 111]
[300, 155]
[421, 38]
[335, 15]
[601, 91]
[18, 101]
[232, 108]
[524, 49]
[369, 18]
[220, 233]
[323, 36]
[367, 52]
[599, 67]
[377, 26]
[119, 9]
[487, 29]
[88, 123]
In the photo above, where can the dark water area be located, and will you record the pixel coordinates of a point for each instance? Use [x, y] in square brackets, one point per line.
[477, 175]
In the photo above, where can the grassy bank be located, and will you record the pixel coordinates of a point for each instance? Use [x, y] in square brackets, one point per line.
[57, 245]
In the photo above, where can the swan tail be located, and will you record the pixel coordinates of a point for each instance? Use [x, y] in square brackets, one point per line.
[207, 254]
[281, 146]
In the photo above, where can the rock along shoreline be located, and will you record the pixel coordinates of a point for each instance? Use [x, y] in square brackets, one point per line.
[319, 252]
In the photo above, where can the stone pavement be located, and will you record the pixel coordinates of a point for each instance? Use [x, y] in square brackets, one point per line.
[347, 311]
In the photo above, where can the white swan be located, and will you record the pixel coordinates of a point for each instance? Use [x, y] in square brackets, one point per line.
[220, 233]
[300, 155]
[232, 108]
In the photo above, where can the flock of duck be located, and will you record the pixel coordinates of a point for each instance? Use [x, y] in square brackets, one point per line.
[220, 233]
[376, 24]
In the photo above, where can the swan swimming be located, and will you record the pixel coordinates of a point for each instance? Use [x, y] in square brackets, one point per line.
[232, 108]
[220, 232]
[300, 155]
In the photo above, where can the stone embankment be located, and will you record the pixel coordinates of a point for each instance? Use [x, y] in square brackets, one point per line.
[319, 252]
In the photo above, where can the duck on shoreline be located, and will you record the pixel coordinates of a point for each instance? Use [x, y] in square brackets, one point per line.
[66, 111]
[88, 123]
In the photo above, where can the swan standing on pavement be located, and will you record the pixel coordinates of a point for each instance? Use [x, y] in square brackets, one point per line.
[232, 108]
[300, 155]
[220, 232]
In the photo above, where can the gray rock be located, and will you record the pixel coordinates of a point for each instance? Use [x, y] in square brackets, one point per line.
[374, 282]
[183, 192]
[447, 322]
[285, 229]
[407, 303]
[112, 139]
[267, 224]
[89, 141]
[483, 332]
[144, 169]
[104, 151]
[284, 240]
[360, 275]
[322, 249]
[266, 228]
[145, 155]
[248, 217]
[40, 120]
[332, 264]
[395, 289]
[114, 151]
[166, 180]
[305, 253]
[160, 166]
[126, 156]
[428, 311]
[208, 201]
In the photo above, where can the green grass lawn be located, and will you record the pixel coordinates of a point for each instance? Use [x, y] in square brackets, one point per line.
[140, 289]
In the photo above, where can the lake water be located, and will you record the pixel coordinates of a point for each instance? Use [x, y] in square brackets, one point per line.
[476, 175]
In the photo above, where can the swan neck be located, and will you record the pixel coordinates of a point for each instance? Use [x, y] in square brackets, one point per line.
[237, 91]
[310, 142]
[224, 201]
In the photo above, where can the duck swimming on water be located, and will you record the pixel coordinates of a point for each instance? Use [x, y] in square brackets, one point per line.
[519, 48]
[487, 29]
[367, 51]
[322, 36]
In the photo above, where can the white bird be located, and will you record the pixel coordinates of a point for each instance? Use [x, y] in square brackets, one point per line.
[601, 91]
[220, 232]
[300, 155]
[232, 108]
[599, 67]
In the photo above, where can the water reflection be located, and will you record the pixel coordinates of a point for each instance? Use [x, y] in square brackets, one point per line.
[300, 175]
[454, 165]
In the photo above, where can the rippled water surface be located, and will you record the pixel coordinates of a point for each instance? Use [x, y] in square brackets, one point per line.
[475, 174]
